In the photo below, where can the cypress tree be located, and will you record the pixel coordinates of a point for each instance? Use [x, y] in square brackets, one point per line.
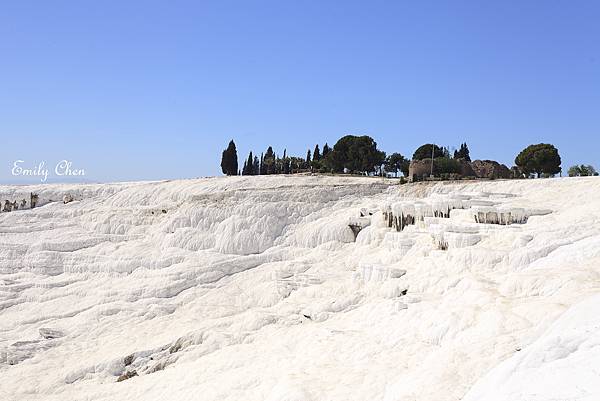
[256, 166]
[261, 169]
[248, 165]
[316, 153]
[463, 152]
[269, 161]
[229, 161]
[326, 150]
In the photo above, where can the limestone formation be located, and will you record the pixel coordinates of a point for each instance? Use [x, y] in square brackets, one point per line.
[405, 213]
[67, 198]
[33, 199]
[357, 224]
[127, 375]
[50, 333]
[128, 360]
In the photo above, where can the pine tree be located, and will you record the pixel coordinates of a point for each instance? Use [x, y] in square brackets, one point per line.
[542, 159]
[355, 154]
[425, 152]
[229, 161]
[326, 150]
[396, 162]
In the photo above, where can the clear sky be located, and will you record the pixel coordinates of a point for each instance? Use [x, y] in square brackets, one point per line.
[133, 90]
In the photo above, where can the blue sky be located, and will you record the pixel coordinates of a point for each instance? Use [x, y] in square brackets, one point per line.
[134, 90]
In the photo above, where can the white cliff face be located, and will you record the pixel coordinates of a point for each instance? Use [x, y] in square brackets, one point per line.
[256, 288]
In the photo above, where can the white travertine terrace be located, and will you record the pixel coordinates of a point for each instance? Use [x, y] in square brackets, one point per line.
[257, 288]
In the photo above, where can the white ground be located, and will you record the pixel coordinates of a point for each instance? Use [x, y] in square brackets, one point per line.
[254, 289]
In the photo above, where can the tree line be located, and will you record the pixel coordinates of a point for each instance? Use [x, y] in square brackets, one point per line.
[270, 163]
[360, 155]
[351, 154]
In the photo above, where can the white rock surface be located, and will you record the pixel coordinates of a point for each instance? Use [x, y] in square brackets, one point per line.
[253, 288]
[562, 364]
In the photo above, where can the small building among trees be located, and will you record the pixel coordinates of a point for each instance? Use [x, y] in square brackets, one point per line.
[459, 166]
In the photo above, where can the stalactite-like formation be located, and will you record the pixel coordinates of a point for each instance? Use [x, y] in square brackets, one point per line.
[388, 216]
[12, 205]
[433, 214]
[402, 214]
[501, 216]
[34, 199]
[357, 224]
